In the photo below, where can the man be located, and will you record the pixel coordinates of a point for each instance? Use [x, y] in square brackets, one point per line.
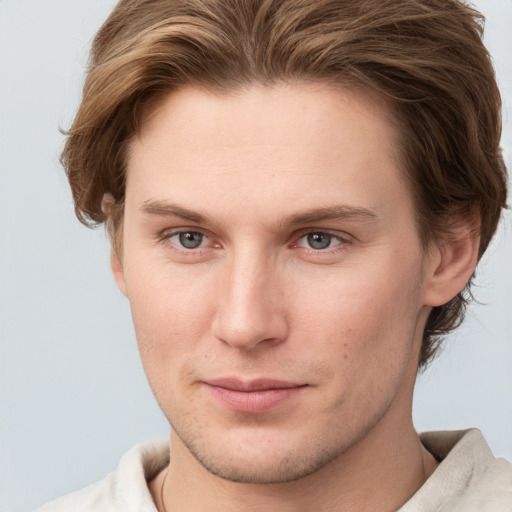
[297, 195]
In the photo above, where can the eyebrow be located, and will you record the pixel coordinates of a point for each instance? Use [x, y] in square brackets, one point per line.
[337, 212]
[166, 209]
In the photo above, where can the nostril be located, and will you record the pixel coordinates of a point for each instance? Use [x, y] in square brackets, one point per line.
[248, 333]
[248, 313]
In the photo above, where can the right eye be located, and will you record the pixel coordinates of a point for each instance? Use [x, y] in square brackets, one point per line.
[188, 239]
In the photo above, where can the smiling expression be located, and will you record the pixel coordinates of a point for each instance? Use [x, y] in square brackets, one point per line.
[275, 275]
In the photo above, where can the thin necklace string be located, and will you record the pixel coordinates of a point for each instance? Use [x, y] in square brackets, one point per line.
[162, 491]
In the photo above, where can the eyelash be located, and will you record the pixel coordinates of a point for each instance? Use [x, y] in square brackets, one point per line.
[341, 245]
[342, 241]
[183, 250]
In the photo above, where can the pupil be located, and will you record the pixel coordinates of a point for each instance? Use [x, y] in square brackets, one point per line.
[319, 240]
[191, 240]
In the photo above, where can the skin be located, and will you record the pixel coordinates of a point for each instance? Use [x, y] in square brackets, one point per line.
[247, 172]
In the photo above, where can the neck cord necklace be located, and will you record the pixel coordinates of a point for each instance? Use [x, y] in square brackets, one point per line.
[162, 491]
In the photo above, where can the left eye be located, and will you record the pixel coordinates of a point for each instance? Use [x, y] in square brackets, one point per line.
[188, 239]
[318, 241]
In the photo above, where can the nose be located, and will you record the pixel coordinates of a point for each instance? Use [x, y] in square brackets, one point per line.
[250, 311]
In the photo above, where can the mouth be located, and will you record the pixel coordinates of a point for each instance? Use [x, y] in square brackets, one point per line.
[252, 397]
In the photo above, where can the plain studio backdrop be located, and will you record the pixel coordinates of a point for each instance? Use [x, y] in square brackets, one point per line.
[73, 394]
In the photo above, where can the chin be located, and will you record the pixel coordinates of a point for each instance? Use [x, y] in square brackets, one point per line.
[273, 458]
[274, 469]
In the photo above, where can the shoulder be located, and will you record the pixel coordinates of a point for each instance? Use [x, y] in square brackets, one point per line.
[125, 489]
[486, 481]
[468, 479]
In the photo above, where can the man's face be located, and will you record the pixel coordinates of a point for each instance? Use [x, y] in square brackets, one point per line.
[275, 276]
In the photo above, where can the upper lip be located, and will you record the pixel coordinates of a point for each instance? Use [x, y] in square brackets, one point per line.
[235, 384]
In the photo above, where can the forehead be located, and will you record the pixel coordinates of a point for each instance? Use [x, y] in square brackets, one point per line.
[282, 114]
[287, 146]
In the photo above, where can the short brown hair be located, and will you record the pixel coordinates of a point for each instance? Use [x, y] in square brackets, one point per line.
[424, 57]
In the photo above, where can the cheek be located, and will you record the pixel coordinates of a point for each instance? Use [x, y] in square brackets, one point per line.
[170, 311]
[362, 317]
[170, 316]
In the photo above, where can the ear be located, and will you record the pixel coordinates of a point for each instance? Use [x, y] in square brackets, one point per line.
[451, 263]
[117, 270]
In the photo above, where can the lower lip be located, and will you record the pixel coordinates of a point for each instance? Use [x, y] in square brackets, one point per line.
[253, 402]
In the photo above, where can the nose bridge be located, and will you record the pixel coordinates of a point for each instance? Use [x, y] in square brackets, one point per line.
[248, 307]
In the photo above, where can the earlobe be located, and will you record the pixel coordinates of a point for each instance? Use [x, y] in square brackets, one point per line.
[451, 265]
[117, 270]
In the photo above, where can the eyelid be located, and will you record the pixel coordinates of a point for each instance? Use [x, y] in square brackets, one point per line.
[167, 234]
[203, 239]
[343, 238]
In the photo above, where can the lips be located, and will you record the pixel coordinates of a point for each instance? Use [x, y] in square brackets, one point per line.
[253, 397]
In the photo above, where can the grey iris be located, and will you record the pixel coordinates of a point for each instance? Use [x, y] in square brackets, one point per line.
[191, 239]
[319, 240]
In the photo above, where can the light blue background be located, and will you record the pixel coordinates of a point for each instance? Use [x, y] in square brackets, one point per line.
[73, 393]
